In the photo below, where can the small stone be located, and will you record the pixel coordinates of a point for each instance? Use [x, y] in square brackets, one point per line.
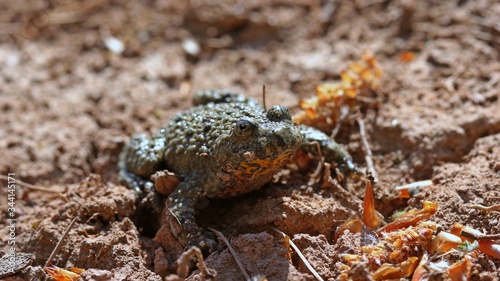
[191, 47]
[165, 182]
[114, 44]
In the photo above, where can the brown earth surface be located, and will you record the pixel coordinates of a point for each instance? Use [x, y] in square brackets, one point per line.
[70, 98]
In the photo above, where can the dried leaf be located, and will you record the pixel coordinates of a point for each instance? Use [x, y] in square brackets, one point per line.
[61, 274]
[324, 110]
[420, 272]
[353, 225]
[461, 270]
[444, 242]
[77, 270]
[370, 216]
[407, 56]
[391, 271]
[411, 217]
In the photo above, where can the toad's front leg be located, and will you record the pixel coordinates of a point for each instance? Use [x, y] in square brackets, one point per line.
[331, 150]
[181, 206]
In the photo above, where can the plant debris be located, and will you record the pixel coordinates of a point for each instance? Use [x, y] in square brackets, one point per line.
[299, 253]
[412, 245]
[325, 109]
[233, 253]
[61, 274]
[59, 244]
[484, 208]
[408, 190]
[370, 216]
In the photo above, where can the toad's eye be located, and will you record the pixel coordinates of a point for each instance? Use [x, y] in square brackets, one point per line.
[244, 128]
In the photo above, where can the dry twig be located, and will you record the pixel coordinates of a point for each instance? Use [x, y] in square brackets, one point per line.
[484, 208]
[297, 250]
[30, 186]
[478, 236]
[344, 110]
[368, 151]
[59, 244]
[233, 252]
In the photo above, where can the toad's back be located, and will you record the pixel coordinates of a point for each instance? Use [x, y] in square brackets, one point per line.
[197, 132]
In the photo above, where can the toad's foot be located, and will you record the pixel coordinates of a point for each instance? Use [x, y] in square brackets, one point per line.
[181, 207]
[331, 150]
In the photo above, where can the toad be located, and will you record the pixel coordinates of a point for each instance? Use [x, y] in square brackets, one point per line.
[226, 145]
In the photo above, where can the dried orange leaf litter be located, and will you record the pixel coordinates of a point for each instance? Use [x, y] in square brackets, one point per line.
[370, 216]
[61, 274]
[324, 110]
[412, 246]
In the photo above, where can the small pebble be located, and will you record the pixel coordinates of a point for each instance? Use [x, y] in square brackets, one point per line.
[114, 44]
[191, 47]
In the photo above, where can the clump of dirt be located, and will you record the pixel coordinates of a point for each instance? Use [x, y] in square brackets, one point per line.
[262, 254]
[103, 237]
[79, 78]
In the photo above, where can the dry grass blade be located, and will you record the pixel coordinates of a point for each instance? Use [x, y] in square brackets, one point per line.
[56, 249]
[484, 208]
[233, 252]
[417, 184]
[30, 186]
[344, 110]
[304, 260]
[474, 234]
[409, 190]
[368, 151]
